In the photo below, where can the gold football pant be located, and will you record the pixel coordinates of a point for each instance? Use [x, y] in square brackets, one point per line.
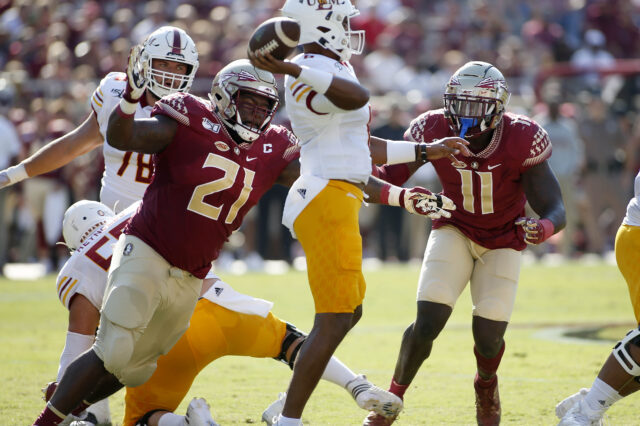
[627, 254]
[329, 232]
[213, 332]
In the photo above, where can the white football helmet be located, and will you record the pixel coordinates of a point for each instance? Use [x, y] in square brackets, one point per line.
[475, 98]
[171, 44]
[230, 84]
[82, 219]
[327, 23]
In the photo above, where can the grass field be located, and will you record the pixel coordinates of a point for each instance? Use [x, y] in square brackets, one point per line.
[538, 369]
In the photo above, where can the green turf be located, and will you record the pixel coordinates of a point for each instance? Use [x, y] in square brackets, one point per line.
[535, 374]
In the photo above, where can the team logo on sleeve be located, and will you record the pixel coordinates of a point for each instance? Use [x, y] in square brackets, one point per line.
[209, 125]
[221, 146]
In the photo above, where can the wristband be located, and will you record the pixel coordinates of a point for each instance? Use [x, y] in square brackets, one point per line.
[391, 195]
[317, 79]
[400, 152]
[17, 173]
[126, 108]
[422, 149]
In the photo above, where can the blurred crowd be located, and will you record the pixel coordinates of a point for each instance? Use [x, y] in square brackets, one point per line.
[570, 64]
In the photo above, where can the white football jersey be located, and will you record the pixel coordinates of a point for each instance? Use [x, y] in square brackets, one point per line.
[86, 270]
[334, 142]
[633, 208]
[126, 174]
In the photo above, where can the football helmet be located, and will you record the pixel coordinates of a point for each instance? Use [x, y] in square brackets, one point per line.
[170, 44]
[82, 219]
[327, 23]
[228, 93]
[475, 98]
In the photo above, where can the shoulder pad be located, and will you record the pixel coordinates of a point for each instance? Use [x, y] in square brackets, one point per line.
[427, 126]
[183, 107]
[529, 140]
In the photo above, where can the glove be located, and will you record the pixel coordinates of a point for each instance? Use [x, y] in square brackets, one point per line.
[4, 179]
[136, 81]
[423, 202]
[534, 231]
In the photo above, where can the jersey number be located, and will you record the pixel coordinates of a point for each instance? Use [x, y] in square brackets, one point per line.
[96, 257]
[486, 191]
[144, 169]
[230, 169]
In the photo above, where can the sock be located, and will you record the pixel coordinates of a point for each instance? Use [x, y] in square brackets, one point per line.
[50, 416]
[338, 373]
[101, 410]
[488, 366]
[171, 419]
[75, 344]
[601, 396]
[287, 421]
[398, 389]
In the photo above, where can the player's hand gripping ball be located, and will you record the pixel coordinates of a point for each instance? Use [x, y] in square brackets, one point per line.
[278, 36]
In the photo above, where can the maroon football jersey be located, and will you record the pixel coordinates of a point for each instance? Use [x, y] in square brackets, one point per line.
[488, 190]
[205, 183]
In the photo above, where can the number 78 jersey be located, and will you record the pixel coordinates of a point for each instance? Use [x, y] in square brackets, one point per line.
[126, 174]
[487, 190]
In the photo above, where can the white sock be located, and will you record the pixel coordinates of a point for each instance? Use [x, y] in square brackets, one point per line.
[601, 396]
[338, 373]
[75, 344]
[171, 419]
[287, 421]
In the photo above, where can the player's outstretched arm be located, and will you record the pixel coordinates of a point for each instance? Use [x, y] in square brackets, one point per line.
[125, 133]
[395, 152]
[289, 174]
[416, 200]
[543, 193]
[345, 94]
[56, 153]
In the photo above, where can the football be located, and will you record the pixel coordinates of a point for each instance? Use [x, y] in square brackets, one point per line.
[278, 36]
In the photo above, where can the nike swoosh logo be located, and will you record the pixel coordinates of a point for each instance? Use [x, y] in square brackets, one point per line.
[251, 158]
[493, 167]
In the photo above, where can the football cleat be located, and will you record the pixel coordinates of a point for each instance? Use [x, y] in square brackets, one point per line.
[566, 404]
[487, 402]
[373, 398]
[581, 415]
[375, 419]
[270, 414]
[88, 420]
[198, 414]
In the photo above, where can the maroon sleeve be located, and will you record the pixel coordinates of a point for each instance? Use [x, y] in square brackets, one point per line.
[396, 174]
[181, 107]
[530, 141]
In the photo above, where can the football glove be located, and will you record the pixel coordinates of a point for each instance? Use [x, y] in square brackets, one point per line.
[4, 179]
[423, 202]
[136, 81]
[534, 231]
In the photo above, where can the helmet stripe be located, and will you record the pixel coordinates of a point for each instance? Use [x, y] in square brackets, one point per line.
[177, 46]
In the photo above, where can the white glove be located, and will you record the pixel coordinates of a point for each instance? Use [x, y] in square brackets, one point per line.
[136, 81]
[423, 202]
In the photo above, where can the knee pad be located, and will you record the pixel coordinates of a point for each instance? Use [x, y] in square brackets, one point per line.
[292, 335]
[114, 346]
[622, 354]
[132, 377]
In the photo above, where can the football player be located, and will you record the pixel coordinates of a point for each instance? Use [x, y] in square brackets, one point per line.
[620, 374]
[169, 61]
[329, 112]
[213, 162]
[481, 242]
